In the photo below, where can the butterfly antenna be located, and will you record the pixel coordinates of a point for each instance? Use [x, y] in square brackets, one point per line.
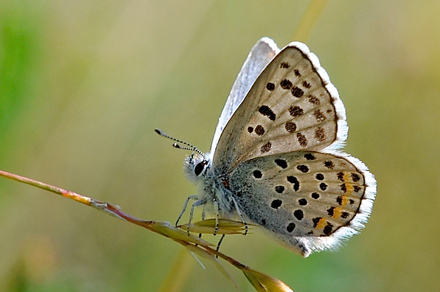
[176, 145]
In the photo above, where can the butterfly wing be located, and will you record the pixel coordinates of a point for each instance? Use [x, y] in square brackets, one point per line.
[278, 155]
[292, 106]
[260, 55]
[309, 200]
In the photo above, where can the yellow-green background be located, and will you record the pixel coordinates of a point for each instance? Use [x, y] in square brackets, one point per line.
[84, 83]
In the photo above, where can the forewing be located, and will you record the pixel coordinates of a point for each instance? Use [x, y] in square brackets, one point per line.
[260, 55]
[309, 200]
[292, 106]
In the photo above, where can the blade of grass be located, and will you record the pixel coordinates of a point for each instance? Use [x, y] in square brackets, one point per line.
[309, 19]
[178, 273]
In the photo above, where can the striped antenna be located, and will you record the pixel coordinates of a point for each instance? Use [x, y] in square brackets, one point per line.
[176, 145]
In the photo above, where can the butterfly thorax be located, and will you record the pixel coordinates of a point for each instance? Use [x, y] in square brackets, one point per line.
[214, 193]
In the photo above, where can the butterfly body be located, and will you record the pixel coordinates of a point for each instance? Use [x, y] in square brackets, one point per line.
[275, 158]
[214, 187]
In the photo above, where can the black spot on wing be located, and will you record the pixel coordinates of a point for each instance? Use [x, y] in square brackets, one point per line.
[297, 92]
[303, 168]
[286, 84]
[281, 163]
[276, 204]
[319, 176]
[302, 202]
[257, 174]
[293, 180]
[266, 111]
[259, 130]
[299, 214]
[302, 140]
[270, 86]
[290, 127]
[320, 134]
[279, 189]
[309, 156]
[296, 111]
[266, 147]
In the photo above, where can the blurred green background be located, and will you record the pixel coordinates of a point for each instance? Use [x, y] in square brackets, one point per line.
[84, 83]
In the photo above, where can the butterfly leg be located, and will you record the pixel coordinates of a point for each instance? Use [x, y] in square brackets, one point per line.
[191, 213]
[203, 213]
[192, 197]
[216, 208]
[219, 243]
[246, 227]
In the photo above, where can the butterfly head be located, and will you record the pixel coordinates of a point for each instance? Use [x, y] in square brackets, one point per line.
[196, 166]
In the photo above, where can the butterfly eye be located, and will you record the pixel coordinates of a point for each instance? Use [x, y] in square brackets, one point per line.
[200, 167]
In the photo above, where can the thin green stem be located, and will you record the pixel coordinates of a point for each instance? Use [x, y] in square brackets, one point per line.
[178, 273]
[309, 20]
[47, 187]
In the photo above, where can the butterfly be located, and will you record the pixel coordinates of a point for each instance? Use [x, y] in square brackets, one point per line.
[275, 159]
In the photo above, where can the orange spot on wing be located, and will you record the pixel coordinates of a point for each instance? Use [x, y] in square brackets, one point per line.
[337, 212]
[345, 199]
[348, 180]
[350, 188]
[321, 223]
